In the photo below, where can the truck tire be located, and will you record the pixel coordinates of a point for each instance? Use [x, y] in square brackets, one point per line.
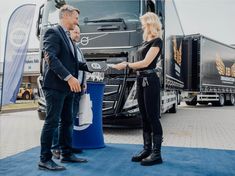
[232, 100]
[178, 98]
[26, 96]
[221, 101]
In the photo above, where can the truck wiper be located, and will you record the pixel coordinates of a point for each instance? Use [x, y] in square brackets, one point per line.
[107, 20]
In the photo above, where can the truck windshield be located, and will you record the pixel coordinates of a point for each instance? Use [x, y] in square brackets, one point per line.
[128, 10]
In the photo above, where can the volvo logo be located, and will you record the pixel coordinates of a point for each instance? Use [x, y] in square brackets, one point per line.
[84, 41]
[18, 37]
[96, 66]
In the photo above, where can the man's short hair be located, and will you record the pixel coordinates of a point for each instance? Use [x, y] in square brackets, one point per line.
[67, 9]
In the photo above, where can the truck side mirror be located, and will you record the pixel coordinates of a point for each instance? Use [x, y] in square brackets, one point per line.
[39, 21]
[59, 3]
[151, 6]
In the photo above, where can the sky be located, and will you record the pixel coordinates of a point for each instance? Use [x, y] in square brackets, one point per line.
[212, 18]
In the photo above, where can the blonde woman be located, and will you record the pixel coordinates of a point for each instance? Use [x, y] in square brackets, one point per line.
[148, 89]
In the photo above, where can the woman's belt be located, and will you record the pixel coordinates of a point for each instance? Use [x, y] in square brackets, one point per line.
[145, 72]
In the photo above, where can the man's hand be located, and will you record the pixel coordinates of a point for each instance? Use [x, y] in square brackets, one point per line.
[74, 84]
[46, 57]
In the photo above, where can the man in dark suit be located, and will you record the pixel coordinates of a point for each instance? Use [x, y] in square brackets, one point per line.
[75, 36]
[59, 84]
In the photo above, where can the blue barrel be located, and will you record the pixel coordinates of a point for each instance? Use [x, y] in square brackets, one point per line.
[91, 136]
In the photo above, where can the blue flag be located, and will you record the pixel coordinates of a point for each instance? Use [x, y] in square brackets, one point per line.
[17, 37]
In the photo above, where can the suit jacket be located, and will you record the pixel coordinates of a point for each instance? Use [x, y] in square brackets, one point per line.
[62, 62]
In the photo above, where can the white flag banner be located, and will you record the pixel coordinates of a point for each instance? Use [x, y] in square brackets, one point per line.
[17, 37]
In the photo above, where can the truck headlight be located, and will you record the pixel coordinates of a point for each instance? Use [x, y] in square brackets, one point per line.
[131, 99]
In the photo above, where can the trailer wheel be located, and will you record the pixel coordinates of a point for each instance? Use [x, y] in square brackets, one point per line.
[178, 98]
[221, 101]
[232, 99]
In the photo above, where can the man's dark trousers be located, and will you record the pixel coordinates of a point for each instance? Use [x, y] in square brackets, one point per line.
[59, 111]
[77, 97]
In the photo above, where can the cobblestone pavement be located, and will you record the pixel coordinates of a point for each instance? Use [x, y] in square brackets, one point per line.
[200, 126]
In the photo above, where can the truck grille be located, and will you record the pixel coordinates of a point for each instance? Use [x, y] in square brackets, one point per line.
[111, 96]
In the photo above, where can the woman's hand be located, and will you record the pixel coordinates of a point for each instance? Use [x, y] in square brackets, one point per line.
[120, 66]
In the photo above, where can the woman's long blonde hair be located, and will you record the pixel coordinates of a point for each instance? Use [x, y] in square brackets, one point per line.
[153, 25]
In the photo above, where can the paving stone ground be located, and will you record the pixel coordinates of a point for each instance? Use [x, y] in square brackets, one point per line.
[200, 127]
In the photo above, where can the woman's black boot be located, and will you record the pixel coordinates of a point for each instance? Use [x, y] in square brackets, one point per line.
[147, 148]
[155, 156]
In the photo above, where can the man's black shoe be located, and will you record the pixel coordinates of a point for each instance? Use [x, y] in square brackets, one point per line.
[50, 165]
[74, 150]
[72, 159]
[56, 154]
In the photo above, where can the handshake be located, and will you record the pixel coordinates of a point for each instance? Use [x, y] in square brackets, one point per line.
[119, 66]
